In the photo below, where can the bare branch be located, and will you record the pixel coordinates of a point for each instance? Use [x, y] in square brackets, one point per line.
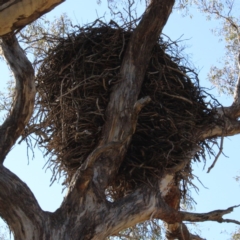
[23, 104]
[145, 204]
[227, 126]
[216, 158]
[216, 216]
[14, 197]
[17, 14]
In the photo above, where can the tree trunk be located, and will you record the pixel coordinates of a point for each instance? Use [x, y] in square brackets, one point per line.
[85, 212]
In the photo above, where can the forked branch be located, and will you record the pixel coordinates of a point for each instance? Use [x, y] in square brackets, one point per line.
[216, 216]
[146, 204]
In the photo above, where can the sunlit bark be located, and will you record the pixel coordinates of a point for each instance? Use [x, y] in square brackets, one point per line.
[85, 212]
[15, 14]
[24, 94]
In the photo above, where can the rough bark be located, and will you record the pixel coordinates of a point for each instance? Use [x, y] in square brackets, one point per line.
[24, 94]
[85, 212]
[91, 218]
[19, 207]
[16, 14]
[123, 108]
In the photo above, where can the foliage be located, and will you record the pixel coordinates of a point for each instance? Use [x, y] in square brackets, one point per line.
[151, 230]
[33, 36]
[6, 99]
[236, 235]
[224, 76]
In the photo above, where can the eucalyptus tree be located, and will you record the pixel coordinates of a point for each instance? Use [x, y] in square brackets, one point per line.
[88, 211]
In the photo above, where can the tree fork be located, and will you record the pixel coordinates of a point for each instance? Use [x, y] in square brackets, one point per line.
[85, 213]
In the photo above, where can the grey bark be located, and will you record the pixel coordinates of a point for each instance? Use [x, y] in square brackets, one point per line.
[15, 14]
[85, 213]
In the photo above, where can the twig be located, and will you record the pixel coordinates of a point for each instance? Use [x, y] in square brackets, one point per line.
[219, 153]
[216, 216]
[178, 97]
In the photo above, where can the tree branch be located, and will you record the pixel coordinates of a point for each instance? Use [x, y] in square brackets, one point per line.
[180, 231]
[139, 206]
[216, 216]
[124, 106]
[218, 155]
[23, 103]
[146, 204]
[122, 110]
[17, 14]
[19, 208]
[227, 126]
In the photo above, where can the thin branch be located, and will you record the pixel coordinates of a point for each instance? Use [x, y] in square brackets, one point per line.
[219, 153]
[216, 216]
[145, 203]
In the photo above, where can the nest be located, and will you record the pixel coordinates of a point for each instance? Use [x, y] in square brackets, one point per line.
[74, 83]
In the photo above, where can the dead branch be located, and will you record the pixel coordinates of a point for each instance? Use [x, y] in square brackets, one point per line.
[216, 216]
[216, 158]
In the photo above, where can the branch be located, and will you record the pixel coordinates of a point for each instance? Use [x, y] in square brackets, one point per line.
[216, 216]
[17, 14]
[139, 206]
[19, 208]
[23, 103]
[218, 155]
[180, 231]
[147, 204]
[227, 126]
[124, 106]
[144, 203]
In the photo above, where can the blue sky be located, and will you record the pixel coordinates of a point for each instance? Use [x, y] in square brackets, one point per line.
[204, 50]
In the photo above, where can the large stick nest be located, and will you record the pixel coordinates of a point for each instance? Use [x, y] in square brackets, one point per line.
[74, 83]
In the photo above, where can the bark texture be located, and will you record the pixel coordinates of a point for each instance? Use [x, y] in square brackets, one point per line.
[17, 14]
[85, 212]
[24, 94]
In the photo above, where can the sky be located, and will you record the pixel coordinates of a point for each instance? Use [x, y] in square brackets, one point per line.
[204, 50]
